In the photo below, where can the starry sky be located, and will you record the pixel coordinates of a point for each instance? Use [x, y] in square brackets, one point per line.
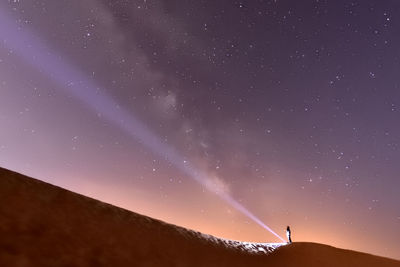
[290, 107]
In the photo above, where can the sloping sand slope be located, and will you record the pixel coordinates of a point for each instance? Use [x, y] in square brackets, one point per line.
[44, 225]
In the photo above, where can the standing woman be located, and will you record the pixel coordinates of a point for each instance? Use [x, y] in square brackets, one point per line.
[288, 234]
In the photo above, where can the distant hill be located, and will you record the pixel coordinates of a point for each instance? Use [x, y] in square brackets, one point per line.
[45, 225]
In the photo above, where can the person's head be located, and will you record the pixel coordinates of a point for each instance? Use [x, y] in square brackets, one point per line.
[288, 228]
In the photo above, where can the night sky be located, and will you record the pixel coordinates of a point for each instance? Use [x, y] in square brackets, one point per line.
[292, 108]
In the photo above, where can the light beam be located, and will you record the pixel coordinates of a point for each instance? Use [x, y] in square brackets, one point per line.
[73, 82]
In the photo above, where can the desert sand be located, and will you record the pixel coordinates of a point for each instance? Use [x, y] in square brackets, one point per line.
[45, 225]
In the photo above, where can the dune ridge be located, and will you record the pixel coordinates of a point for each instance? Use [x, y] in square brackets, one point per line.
[45, 225]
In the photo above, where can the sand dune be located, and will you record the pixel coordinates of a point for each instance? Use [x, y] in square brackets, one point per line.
[44, 225]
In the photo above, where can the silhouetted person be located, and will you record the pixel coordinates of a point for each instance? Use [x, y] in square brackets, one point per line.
[288, 234]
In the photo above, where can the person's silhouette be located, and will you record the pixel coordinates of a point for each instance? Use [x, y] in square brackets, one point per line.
[288, 234]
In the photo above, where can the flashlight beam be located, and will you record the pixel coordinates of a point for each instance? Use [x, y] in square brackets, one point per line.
[75, 83]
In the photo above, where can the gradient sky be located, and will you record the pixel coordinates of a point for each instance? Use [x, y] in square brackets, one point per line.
[289, 107]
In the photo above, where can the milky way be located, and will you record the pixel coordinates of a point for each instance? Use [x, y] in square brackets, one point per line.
[290, 108]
